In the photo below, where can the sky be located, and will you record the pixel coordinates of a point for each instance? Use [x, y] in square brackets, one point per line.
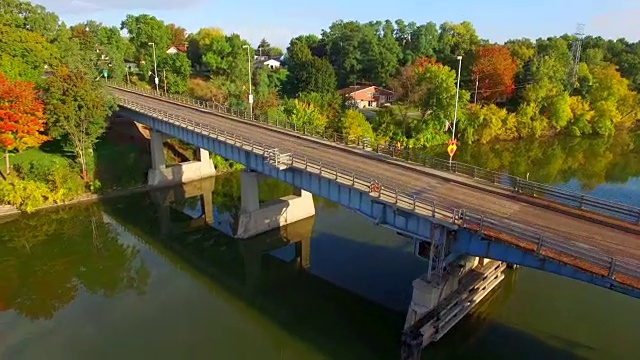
[279, 21]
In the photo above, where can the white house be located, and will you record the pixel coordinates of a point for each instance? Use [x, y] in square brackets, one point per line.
[272, 64]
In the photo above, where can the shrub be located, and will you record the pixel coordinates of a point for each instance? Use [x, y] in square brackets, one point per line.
[26, 195]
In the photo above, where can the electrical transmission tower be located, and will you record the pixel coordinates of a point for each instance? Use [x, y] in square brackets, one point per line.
[576, 49]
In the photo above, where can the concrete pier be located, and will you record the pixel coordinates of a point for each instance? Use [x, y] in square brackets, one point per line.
[255, 219]
[161, 174]
[438, 304]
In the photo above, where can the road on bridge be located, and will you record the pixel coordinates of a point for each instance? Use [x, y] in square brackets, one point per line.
[611, 241]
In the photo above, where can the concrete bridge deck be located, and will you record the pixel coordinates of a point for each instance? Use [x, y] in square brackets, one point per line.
[604, 236]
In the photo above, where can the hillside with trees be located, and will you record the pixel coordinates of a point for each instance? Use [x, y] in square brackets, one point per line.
[520, 89]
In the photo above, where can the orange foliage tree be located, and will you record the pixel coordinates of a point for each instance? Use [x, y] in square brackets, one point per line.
[495, 70]
[22, 116]
[422, 62]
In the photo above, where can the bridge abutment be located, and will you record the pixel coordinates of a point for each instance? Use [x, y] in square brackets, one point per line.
[255, 219]
[446, 293]
[161, 174]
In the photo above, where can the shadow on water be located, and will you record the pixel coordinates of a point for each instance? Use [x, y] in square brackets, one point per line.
[331, 319]
[478, 336]
[311, 309]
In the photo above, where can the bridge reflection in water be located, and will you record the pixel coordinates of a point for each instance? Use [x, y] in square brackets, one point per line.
[284, 291]
[270, 272]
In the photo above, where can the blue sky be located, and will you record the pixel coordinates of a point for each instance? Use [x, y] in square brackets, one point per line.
[279, 21]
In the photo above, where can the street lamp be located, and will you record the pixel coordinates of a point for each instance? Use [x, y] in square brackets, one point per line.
[455, 111]
[250, 94]
[155, 66]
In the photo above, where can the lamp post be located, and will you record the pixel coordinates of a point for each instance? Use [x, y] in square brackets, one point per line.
[455, 110]
[155, 67]
[250, 94]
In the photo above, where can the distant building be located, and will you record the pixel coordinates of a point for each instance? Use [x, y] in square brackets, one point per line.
[131, 65]
[367, 96]
[174, 49]
[272, 63]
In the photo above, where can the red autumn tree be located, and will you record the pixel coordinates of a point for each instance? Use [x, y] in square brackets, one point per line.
[178, 35]
[21, 116]
[495, 70]
[422, 62]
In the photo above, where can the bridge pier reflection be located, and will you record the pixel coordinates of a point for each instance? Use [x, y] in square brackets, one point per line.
[166, 197]
[196, 201]
[254, 249]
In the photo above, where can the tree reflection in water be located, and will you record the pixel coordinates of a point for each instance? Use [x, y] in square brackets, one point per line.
[50, 257]
[591, 160]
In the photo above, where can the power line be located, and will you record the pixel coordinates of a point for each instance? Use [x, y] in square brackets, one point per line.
[516, 86]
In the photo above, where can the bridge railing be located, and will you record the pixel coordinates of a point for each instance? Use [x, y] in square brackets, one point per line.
[526, 237]
[487, 177]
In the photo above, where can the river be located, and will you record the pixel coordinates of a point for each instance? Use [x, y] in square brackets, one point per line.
[112, 280]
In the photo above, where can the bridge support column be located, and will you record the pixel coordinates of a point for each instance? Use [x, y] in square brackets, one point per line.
[255, 219]
[160, 174]
[442, 297]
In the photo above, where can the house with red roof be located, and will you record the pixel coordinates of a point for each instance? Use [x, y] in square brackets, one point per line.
[367, 96]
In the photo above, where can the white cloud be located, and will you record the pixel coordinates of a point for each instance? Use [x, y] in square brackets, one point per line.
[89, 6]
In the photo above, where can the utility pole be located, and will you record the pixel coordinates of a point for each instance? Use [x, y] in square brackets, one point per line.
[126, 68]
[164, 74]
[451, 149]
[455, 110]
[250, 94]
[475, 95]
[155, 67]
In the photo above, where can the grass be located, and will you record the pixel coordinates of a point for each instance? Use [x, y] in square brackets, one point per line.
[39, 155]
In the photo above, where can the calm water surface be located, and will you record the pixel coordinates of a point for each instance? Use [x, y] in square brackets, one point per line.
[136, 279]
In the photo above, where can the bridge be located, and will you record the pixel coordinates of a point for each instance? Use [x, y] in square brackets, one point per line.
[458, 215]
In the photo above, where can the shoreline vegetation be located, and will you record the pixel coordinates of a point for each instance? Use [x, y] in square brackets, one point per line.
[55, 110]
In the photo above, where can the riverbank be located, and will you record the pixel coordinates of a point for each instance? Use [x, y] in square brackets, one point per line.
[47, 176]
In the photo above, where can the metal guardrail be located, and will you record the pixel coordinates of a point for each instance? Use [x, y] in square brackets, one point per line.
[492, 178]
[277, 159]
[405, 200]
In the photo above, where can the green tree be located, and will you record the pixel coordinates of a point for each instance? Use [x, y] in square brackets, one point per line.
[454, 40]
[435, 101]
[143, 30]
[30, 17]
[305, 116]
[26, 54]
[612, 99]
[175, 70]
[422, 42]
[307, 73]
[267, 85]
[354, 125]
[266, 49]
[103, 47]
[76, 108]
